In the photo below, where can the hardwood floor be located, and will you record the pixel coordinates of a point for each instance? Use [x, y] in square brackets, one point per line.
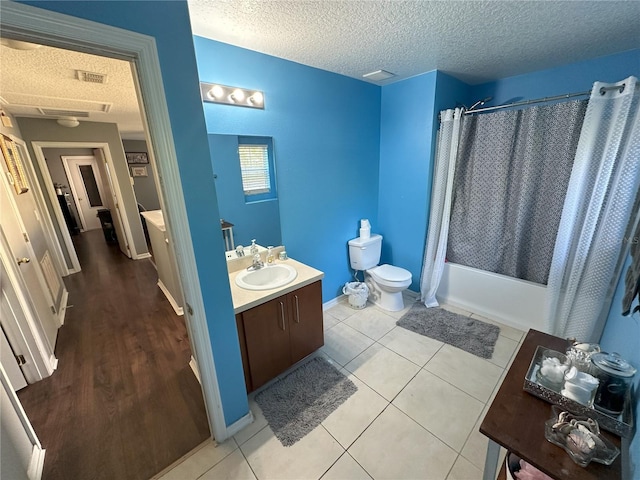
[123, 403]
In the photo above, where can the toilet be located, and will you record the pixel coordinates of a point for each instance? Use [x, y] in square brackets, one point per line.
[386, 282]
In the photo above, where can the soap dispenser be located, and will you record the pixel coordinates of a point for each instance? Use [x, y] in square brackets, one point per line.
[271, 258]
[254, 247]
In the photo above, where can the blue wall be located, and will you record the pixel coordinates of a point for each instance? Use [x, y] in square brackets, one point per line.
[621, 334]
[168, 23]
[259, 220]
[325, 129]
[574, 77]
[408, 129]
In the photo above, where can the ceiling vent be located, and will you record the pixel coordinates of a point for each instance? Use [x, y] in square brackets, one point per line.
[54, 112]
[91, 77]
[378, 75]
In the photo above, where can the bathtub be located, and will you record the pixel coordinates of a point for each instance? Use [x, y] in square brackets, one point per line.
[511, 301]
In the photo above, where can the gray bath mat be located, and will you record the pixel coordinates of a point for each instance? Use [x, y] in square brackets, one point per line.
[299, 402]
[468, 334]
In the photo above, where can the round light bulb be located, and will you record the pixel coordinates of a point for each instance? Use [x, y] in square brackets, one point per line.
[257, 98]
[237, 95]
[216, 92]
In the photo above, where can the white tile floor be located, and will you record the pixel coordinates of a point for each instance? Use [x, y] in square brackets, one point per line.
[415, 415]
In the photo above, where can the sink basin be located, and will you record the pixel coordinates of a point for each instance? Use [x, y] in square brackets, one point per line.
[266, 278]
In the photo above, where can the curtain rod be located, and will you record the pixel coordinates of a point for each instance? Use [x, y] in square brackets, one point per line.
[603, 90]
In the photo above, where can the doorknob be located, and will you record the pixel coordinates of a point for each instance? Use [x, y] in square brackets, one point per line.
[23, 260]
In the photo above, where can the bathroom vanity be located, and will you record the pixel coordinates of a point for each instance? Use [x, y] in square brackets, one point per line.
[280, 326]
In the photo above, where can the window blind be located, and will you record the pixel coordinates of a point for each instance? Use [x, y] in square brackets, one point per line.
[254, 165]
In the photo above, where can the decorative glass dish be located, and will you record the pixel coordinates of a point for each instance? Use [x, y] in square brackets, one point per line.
[621, 425]
[580, 437]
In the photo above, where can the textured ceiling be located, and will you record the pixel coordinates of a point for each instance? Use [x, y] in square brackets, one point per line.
[46, 78]
[476, 41]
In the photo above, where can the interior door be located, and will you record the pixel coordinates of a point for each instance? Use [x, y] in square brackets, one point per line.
[7, 356]
[30, 268]
[34, 225]
[112, 200]
[87, 188]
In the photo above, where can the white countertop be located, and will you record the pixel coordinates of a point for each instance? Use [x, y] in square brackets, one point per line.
[246, 299]
[155, 217]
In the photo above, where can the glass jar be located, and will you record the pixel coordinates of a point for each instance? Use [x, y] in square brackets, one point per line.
[615, 375]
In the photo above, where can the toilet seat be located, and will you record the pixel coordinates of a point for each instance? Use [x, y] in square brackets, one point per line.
[390, 275]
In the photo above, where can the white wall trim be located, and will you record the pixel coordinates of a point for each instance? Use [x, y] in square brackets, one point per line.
[194, 367]
[332, 303]
[142, 256]
[57, 210]
[36, 465]
[32, 24]
[176, 308]
[238, 425]
[17, 406]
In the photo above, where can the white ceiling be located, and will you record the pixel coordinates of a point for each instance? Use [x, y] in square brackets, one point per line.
[476, 41]
[46, 78]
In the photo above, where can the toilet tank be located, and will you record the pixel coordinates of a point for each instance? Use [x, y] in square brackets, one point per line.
[364, 253]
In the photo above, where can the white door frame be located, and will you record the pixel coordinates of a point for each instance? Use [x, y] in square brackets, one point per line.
[43, 26]
[53, 242]
[38, 150]
[15, 420]
[98, 177]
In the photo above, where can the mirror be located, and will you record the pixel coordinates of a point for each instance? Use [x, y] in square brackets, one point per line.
[246, 190]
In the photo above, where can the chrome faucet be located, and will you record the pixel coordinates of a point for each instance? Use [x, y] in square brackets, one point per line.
[240, 251]
[257, 263]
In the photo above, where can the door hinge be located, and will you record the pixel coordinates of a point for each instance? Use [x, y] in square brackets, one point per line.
[53, 310]
[26, 237]
[21, 360]
[189, 309]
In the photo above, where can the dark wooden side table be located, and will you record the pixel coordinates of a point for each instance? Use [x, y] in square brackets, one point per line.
[516, 418]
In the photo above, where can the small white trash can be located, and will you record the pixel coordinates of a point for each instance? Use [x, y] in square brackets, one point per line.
[358, 293]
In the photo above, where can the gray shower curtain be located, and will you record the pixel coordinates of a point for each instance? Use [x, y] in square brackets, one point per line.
[512, 172]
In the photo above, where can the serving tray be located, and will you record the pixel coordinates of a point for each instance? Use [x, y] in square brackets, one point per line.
[621, 425]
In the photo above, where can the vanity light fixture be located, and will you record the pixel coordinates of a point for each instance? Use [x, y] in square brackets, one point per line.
[227, 95]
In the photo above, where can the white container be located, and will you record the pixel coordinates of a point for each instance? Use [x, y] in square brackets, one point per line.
[365, 232]
[364, 253]
[358, 293]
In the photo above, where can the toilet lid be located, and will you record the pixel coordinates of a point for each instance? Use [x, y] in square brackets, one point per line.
[392, 274]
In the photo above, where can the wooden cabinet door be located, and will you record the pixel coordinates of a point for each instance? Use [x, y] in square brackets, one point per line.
[305, 319]
[266, 332]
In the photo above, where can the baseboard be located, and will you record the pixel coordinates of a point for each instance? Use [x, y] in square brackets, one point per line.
[141, 256]
[36, 464]
[53, 363]
[332, 303]
[240, 424]
[343, 298]
[411, 294]
[194, 367]
[63, 311]
[176, 308]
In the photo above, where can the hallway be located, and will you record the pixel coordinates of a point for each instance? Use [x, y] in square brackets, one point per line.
[123, 402]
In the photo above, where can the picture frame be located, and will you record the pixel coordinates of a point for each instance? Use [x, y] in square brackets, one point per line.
[139, 172]
[134, 158]
[17, 175]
